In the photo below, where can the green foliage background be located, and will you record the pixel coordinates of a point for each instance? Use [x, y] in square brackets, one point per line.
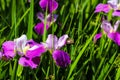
[90, 61]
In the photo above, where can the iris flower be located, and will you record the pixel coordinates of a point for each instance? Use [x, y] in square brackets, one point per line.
[111, 5]
[29, 51]
[110, 31]
[50, 5]
[39, 28]
[53, 44]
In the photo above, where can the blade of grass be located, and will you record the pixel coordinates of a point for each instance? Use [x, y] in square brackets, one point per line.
[80, 54]
[30, 22]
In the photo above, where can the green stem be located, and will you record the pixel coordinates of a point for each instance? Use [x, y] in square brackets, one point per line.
[14, 70]
[45, 24]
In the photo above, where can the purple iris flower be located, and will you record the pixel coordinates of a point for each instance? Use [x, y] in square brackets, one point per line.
[29, 51]
[39, 28]
[110, 31]
[111, 4]
[8, 49]
[50, 5]
[53, 44]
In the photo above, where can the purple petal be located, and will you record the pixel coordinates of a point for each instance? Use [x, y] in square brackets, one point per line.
[102, 8]
[39, 28]
[115, 36]
[35, 51]
[106, 26]
[116, 13]
[97, 36]
[8, 49]
[61, 58]
[29, 62]
[51, 4]
[116, 25]
[40, 16]
[51, 42]
[32, 43]
[51, 18]
[24, 61]
[62, 41]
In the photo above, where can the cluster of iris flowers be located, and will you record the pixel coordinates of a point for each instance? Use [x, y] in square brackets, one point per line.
[109, 29]
[29, 51]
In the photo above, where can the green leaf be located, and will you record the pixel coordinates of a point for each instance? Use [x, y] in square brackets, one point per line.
[19, 70]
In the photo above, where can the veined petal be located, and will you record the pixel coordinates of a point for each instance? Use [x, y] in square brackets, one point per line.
[97, 36]
[61, 58]
[62, 41]
[106, 26]
[102, 8]
[8, 49]
[115, 36]
[39, 28]
[51, 41]
[116, 13]
[35, 51]
[29, 62]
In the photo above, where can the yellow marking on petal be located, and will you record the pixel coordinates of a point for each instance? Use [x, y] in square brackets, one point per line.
[25, 49]
[118, 6]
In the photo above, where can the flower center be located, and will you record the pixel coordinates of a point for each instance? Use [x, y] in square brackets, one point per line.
[25, 49]
[118, 6]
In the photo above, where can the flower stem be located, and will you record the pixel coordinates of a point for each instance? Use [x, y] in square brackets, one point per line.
[14, 70]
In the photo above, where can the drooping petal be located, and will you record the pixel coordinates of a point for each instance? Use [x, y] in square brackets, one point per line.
[62, 41]
[35, 51]
[116, 13]
[39, 28]
[29, 62]
[115, 36]
[20, 43]
[23, 61]
[51, 41]
[8, 49]
[102, 8]
[61, 58]
[116, 25]
[97, 36]
[51, 4]
[106, 26]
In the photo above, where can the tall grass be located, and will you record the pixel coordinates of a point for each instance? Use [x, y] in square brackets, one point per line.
[90, 61]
